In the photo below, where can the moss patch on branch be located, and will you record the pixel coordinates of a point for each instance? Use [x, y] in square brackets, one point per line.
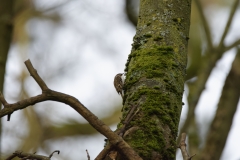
[151, 80]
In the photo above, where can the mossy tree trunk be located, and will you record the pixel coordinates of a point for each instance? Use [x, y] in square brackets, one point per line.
[155, 73]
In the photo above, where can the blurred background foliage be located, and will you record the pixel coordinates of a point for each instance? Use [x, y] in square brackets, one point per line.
[78, 47]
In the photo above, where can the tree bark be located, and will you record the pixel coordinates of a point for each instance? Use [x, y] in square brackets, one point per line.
[155, 72]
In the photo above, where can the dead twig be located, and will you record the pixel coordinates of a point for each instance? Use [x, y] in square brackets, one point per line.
[57, 151]
[183, 147]
[88, 155]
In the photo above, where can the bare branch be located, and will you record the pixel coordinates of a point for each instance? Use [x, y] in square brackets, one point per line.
[34, 74]
[196, 88]
[233, 10]
[183, 147]
[23, 155]
[227, 107]
[205, 25]
[48, 94]
[234, 44]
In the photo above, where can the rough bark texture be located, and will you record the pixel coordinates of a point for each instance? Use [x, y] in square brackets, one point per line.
[6, 29]
[156, 69]
[222, 122]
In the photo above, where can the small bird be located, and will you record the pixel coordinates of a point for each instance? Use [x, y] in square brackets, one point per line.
[118, 83]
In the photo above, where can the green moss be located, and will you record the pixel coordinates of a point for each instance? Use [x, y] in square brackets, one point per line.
[158, 38]
[149, 23]
[148, 35]
[152, 77]
[171, 152]
[156, 87]
[150, 138]
[150, 63]
[177, 20]
[165, 48]
[143, 145]
[119, 125]
[136, 45]
[174, 65]
[157, 103]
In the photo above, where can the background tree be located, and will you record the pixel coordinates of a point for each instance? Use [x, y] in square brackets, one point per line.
[6, 29]
[42, 52]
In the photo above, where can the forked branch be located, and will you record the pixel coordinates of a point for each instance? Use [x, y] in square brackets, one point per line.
[48, 94]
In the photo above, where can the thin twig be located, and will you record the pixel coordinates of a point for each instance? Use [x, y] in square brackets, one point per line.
[88, 155]
[119, 131]
[57, 151]
[34, 74]
[183, 147]
[127, 120]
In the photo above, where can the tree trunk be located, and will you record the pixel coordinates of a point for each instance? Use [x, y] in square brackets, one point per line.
[155, 73]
